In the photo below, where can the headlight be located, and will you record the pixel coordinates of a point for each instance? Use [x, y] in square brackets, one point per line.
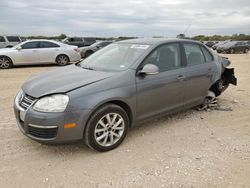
[18, 98]
[52, 103]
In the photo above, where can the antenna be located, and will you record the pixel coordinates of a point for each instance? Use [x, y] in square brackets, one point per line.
[189, 25]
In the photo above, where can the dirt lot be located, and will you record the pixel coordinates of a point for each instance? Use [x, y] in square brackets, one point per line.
[189, 149]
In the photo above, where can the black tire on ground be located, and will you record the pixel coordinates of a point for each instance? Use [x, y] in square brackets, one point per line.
[88, 53]
[5, 62]
[232, 51]
[62, 60]
[246, 50]
[98, 128]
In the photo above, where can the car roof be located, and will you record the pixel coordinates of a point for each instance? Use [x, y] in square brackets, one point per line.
[155, 41]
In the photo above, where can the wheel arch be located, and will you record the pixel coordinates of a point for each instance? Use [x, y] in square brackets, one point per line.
[120, 103]
[6, 56]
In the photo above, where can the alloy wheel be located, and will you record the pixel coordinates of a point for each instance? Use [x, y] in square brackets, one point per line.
[109, 129]
[62, 60]
[5, 63]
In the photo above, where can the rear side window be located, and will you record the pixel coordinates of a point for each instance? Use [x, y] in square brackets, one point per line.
[48, 45]
[194, 54]
[13, 39]
[30, 45]
[2, 39]
[207, 54]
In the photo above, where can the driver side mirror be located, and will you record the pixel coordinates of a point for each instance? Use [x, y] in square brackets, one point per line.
[149, 69]
[19, 48]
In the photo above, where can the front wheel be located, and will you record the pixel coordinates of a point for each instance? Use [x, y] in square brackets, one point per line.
[106, 128]
[5, 62]
[62, 60]
[246, 50]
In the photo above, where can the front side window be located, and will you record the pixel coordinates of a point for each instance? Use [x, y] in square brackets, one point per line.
[194, 54]
[48, 45]
[30, 45]
[114, 57]
[165, 57]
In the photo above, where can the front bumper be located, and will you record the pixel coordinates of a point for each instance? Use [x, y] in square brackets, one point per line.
[49, 127]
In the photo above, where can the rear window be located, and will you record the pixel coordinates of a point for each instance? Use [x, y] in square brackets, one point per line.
[13, 39]
[2, 39]
[48, 45]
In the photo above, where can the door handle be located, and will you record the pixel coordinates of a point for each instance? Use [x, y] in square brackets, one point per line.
[181, 78]
[209, 72]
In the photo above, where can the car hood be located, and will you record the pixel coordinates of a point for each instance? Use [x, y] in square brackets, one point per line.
[62, 80]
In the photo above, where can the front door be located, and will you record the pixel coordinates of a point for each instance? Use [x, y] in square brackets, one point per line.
[164, 91]
[28, 54]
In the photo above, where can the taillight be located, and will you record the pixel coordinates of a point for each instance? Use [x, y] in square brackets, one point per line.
[77, 50]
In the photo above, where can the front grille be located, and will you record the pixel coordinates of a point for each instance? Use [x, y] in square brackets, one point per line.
[45, 133]
[26, 101]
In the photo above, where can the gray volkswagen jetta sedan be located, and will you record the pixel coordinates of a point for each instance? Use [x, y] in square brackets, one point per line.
[97, 99]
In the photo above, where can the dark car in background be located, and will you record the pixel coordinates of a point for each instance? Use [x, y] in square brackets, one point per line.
[97, 99]
[79, 41]
[233, 47]
[88, 50]
[209, 43]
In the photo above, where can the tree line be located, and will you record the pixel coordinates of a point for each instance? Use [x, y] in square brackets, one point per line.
[237, 37]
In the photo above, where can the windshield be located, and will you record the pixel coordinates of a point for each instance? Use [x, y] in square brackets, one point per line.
[114, 57]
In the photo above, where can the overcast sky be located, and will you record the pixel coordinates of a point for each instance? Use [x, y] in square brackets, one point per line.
[143, 18]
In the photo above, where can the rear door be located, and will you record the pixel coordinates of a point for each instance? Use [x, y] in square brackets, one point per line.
[28, 54]
[48, 51]
[199, 72]
[164, 91]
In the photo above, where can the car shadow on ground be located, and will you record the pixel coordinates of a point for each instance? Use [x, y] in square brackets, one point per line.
[34, 66]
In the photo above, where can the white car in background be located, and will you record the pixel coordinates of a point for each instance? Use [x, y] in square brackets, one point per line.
[39, 52]
[9, 41]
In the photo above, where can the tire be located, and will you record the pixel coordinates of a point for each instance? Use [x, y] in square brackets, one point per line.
[62, 60]
[103, 133]
[88, 53]
[5, 62]
[232, 51]
[246, 50]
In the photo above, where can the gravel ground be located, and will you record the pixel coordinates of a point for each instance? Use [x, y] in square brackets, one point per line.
[188, 149]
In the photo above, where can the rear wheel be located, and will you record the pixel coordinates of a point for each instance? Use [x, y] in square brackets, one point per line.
[5, 62]
[62, 60]
[106, 128]
[246, 50]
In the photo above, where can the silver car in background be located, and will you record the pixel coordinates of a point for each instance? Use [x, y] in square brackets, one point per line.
[127, 82]
[88, 50]
[38, 52]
